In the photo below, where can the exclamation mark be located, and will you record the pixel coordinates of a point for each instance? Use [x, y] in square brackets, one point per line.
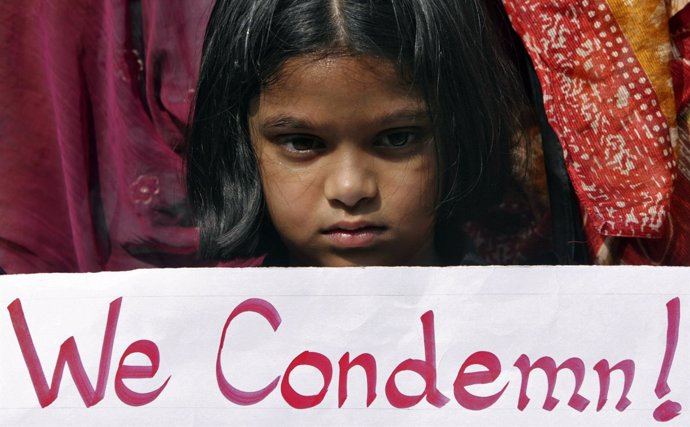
[669, 409]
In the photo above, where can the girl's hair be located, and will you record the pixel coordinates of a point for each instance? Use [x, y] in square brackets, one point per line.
[447, 49]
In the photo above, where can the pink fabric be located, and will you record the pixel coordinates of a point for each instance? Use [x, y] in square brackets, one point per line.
[91, 180]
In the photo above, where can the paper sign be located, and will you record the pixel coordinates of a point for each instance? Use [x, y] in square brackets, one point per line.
[351, 346]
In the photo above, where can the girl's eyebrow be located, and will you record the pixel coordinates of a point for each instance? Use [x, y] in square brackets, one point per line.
[405, 115]
[414, 115]
[288, 122]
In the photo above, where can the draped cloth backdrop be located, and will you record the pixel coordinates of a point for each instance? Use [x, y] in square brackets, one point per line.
[92, 110]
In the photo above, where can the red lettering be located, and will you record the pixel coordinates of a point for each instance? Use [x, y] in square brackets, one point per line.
[464, 379]
[300, 401]
[368, 363]
[547, 364]
[425, 368]
[668, 409]
[268, 312]
[68, 355]
[626, 366]
[132, 398]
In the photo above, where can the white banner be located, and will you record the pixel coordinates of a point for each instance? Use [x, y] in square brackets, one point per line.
[359, 346]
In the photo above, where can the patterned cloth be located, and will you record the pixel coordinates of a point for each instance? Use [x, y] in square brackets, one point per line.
[608, 94]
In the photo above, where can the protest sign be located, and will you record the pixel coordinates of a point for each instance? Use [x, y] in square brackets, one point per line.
[359, 346]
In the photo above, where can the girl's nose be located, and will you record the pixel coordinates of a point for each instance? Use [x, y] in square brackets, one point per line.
[350, 181]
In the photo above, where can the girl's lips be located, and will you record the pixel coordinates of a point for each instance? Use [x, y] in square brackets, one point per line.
[354, 236]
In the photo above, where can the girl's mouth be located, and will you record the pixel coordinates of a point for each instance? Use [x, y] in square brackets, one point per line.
[354, 235]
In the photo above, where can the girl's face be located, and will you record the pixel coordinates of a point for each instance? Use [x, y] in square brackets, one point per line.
[347, 163]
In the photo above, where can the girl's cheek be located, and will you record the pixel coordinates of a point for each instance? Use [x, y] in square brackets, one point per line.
[290, 194]
[415, 179]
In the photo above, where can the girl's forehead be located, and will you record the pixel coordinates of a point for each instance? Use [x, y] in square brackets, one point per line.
[337, 93]
[347, 69]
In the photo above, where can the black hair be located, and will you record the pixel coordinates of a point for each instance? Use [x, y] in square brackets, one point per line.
[447, 49]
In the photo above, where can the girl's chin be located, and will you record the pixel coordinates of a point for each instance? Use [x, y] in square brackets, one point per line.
[364, 257]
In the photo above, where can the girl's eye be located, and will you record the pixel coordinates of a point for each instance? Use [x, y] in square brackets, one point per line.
[301, 144]
[396, 139]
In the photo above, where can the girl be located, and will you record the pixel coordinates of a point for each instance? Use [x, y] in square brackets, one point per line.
[348, 132]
